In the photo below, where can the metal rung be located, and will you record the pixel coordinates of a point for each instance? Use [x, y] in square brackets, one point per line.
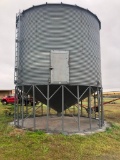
[16, 69]
[17, 41]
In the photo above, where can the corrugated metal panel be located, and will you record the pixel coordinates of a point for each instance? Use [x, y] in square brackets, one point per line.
[59, 27]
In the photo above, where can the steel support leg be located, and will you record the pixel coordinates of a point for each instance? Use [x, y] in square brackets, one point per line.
[81, 109]
[62, 108]
[102, 109]
[78, 96]
[88, 106]
[34, 108]
[98, 94]
[89, 110]
[47, 125]
[15, 106]
[95, 105]
[22, 105]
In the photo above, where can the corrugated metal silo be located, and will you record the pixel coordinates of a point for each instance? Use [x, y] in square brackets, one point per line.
[58, 44]
[52, 28]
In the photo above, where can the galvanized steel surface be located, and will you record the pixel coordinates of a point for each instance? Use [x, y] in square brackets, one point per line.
[59, 27]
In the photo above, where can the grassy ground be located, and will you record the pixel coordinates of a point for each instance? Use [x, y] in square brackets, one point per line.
[17, 144]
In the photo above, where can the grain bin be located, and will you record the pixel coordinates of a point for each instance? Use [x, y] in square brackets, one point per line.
[58, 52]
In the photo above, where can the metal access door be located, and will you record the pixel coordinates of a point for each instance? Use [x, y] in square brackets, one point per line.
[59, 67]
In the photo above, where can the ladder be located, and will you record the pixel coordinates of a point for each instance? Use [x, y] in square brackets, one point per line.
[17, 47]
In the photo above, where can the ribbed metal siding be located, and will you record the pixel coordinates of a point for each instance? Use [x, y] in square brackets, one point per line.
[59, 27]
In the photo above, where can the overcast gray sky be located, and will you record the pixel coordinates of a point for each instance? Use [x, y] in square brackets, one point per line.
[108, 11]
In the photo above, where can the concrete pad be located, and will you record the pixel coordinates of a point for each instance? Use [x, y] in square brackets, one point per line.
[55, 124]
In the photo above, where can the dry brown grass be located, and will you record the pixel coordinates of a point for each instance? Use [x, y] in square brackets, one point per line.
[112, 112]
[17, 132]
[111, 93]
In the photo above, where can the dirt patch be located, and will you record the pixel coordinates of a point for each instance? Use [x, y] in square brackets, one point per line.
[17, 132]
